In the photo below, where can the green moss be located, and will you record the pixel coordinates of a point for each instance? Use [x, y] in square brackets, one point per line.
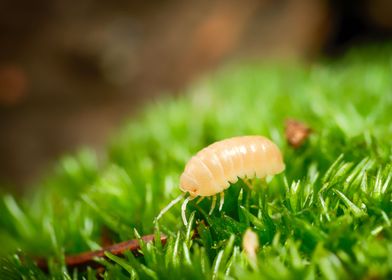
[328, 215]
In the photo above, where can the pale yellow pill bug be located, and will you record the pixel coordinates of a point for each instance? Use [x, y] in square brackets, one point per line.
[215, 167]
[212, 169]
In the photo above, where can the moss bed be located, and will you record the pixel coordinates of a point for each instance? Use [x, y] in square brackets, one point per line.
[327, 216]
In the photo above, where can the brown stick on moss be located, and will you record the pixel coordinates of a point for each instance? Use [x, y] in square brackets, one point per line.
[86, 259]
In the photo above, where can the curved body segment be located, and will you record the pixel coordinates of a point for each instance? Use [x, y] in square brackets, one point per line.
[212, 169]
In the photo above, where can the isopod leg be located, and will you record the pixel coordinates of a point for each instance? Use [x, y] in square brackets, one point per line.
[183, 209]
[248, 183]
[167, 207]
[200, 199]
[213, 204]
[221, 201]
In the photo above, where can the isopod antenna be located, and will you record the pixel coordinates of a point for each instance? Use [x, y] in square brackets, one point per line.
[170, 205]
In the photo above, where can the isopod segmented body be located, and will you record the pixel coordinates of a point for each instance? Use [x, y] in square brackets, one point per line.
[212, 169]
[215, 167]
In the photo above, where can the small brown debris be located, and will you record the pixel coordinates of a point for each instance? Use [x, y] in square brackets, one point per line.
[296, 133]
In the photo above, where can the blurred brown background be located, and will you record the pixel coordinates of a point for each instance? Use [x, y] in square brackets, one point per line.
[71, 71]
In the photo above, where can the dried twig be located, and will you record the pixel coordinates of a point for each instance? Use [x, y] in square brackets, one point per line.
[85, 259]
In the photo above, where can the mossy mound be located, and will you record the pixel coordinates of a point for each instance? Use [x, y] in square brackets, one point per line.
[328, 215]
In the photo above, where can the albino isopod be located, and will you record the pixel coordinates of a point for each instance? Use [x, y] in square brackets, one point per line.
[215, 167]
